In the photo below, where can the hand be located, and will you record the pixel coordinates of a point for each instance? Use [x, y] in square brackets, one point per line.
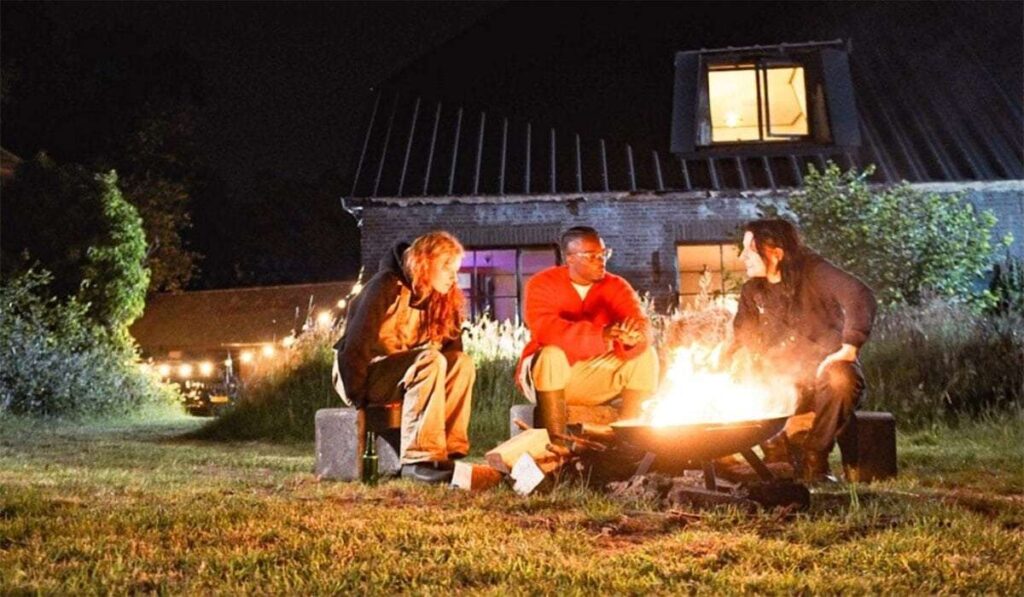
[628, 331]
[847, 353]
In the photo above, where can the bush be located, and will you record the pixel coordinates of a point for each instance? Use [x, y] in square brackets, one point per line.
[902, 242]
[76, 225]
[58, 363]
[942, 360]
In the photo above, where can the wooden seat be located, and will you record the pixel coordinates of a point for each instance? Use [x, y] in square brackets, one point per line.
[380, 419]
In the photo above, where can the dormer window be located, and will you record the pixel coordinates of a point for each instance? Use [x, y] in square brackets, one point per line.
[764, 99]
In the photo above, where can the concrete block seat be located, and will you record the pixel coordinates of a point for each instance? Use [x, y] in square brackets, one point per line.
[341, 440]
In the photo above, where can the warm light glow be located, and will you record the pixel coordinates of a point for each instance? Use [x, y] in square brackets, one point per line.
[356, 289]
[323, 319]
[246, 356]
[164, 370]
[185, 370]
[206, 368]
[288, 341]
[268, 350]
[342, 303]
[695, 391]
[145, 368]
[733, 96]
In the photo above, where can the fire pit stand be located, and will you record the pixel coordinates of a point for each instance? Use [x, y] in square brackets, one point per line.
[696, 447]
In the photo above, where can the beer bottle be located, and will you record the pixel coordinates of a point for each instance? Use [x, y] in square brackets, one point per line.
[370, 459]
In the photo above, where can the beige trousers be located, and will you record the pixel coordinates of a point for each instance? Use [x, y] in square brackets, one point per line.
[591, 382]
[436, 391]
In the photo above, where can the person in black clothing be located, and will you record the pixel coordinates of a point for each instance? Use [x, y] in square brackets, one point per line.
[802, 317]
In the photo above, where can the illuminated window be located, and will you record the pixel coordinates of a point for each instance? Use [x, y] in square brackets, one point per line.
[712, 269]
[493, 279]
[754, 102]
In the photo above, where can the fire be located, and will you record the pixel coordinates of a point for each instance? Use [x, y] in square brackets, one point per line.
[696, 390]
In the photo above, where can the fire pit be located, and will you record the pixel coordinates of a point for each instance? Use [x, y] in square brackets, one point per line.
[697, 442]
[702, 414]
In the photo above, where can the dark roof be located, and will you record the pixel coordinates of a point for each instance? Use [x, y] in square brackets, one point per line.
[938, 87]
[211, 319]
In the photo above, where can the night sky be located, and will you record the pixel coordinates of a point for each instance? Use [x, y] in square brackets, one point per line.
[283, 84]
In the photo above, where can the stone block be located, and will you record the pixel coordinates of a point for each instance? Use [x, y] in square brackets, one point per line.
[523, 412]
[338, 454]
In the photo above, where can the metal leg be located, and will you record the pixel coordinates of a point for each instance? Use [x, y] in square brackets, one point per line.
[645, 464]
[762, 471]
[710, 482]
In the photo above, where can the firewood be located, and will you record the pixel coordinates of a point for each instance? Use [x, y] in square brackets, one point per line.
[475, 477]
[531, 441]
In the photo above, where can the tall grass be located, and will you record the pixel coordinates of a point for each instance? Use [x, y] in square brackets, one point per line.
[942, 360]
[935, 363]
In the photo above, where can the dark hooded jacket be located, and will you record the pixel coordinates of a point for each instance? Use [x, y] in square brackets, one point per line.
[383, 320]
[826, 307]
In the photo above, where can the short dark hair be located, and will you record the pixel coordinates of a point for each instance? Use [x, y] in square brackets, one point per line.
[576, 233]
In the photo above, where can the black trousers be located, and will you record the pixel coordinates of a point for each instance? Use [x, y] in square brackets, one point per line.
[833, 396]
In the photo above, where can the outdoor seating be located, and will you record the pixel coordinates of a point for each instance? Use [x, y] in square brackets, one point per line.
[341, 440]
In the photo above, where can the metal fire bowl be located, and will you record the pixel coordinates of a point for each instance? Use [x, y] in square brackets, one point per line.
[699, 442]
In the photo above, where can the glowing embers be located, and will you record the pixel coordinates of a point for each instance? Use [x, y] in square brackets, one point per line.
[736, 92]
[695, 390]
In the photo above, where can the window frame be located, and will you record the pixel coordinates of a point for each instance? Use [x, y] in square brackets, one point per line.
[474, 293]
[761, 65]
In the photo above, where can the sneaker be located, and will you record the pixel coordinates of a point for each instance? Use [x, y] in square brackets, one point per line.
[427, 472]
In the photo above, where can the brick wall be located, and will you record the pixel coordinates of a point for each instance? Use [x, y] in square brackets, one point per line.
[643, 228]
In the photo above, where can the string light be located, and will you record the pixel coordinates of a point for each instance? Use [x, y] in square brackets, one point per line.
[164, 370]
[205, 368]
[323, 319]
[185, 370]
[268, 350]
[342, 303]
[288, 341]
[246, 356]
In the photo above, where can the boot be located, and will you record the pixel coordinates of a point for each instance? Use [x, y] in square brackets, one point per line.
[815, 468]
[551, 414]
[632, 403]
[776, 450]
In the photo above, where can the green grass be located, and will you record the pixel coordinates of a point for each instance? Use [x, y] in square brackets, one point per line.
[131, 507]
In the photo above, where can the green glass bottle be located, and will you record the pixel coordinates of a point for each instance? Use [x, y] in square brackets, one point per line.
[370, 472]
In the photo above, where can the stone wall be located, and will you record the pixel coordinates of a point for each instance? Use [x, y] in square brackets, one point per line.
[642, 228]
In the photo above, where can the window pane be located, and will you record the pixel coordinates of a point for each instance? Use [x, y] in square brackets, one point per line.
[733, 97]
[787, 100]
[693, 259]
[535, 260]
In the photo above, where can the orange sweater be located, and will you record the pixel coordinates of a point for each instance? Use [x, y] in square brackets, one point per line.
[556, 316]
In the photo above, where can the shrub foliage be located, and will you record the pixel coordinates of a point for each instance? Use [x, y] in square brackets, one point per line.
[77, 226]
[904, 243]
[57, 362]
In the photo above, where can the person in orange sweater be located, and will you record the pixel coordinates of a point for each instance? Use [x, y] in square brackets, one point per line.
[590, 339]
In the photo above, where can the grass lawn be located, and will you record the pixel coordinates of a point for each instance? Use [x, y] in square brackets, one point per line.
[133, 508]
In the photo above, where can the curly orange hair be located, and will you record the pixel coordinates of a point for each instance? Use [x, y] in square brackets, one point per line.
[443, 312]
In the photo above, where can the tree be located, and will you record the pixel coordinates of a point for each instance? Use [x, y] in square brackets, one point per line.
[77, 226]
[902, 242]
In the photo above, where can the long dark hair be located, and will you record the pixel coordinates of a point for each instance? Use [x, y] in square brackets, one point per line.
[780, 234]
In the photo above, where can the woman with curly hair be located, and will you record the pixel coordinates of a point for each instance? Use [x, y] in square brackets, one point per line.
[403, 342]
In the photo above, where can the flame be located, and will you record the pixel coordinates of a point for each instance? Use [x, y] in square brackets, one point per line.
[696, 390]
